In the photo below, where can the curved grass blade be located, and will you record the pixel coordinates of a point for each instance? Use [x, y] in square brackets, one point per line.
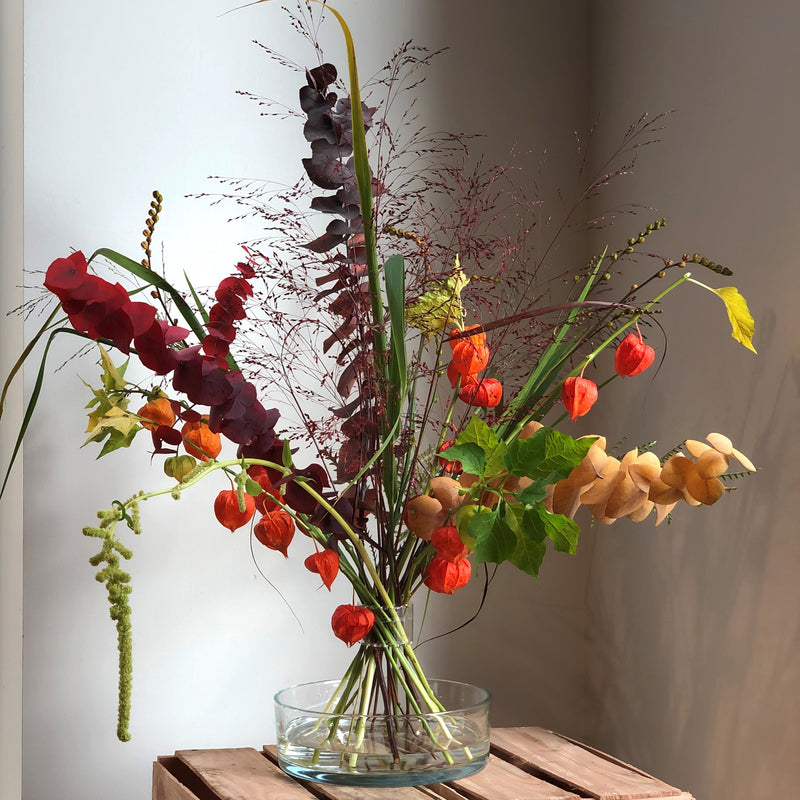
[156, 280]
[25, 353]
[37, 388]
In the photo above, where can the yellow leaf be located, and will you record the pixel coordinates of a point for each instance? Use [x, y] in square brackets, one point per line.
[742, 324]
[112, 376]
[440, 307]
[116, 419]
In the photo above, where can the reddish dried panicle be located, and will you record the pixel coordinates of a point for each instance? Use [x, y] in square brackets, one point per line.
[275, 530]
[326, 564]
[578, 395]
[227, 511]
[483, 393]
[445, 576]
[633, 356]
[352, 623]
[447, 543]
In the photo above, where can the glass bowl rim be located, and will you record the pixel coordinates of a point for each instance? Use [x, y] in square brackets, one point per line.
[483, 703]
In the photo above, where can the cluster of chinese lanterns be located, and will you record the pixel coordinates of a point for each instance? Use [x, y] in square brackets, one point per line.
[470, 357]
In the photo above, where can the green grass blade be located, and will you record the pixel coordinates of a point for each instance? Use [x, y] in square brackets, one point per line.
[25, 353]
[37, 388]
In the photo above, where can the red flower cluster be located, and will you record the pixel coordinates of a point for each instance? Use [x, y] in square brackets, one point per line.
[470, 356]
[103, 310]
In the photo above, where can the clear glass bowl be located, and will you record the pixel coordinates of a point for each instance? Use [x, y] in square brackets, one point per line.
[382, 749]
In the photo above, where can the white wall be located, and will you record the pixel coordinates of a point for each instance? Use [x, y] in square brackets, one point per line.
[10, 345]
[695, 666]
[120, 100]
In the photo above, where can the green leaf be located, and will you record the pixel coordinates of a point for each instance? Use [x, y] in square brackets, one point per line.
[548, 454]
[252, 487]
[37, 389]
[561, 531]
[477, 432]
[471, 456]
[118, 439]
[534, 493]
[531, 544]
[495, 541]
[113, 377]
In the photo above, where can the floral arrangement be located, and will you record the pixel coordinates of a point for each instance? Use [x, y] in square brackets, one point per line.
[443, 449]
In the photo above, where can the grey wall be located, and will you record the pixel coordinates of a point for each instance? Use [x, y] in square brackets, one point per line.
[694, 634]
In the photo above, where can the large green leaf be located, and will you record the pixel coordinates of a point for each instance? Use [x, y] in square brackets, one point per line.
[561, 531]
[495, 540]
[478, 435]
[397, 369]
[34, 398]
[548, 454]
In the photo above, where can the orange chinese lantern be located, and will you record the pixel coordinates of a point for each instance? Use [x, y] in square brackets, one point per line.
[156, 413]
[578, 395]
[352, 623]
[275, 530]
[445, 577]
[633, 356]
[447, 543]
[470, 353]
[200, 441]
[227, 511]
[483, 393]
[326, 564]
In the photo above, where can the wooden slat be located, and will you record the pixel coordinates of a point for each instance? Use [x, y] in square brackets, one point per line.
[503, 781]
[577, 767]
[354, 792]
[241, 774]
[167, 787]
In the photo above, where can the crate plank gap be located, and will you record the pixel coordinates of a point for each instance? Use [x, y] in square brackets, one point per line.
[525, 764]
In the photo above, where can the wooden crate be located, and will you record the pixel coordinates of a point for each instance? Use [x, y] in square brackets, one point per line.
[525, 764]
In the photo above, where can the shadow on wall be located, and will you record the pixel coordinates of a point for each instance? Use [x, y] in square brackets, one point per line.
[694, 660]
[525, 88]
